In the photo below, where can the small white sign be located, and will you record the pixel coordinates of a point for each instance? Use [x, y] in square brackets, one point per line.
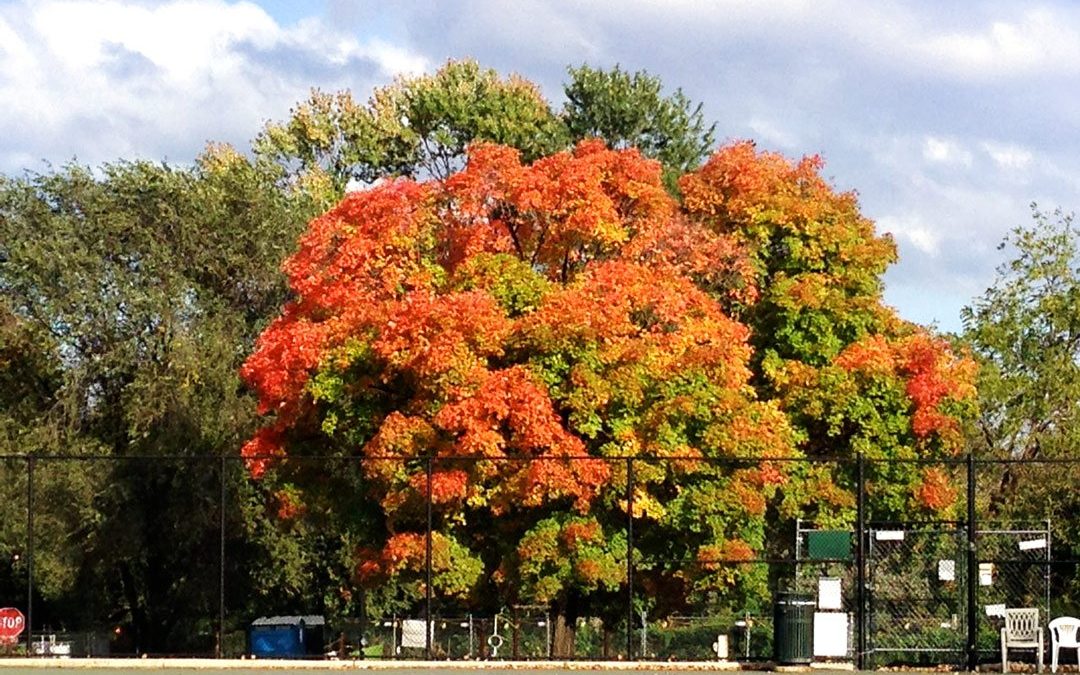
[830, 593]
[1033, 544]
[995, 610]
[720, 647]
[986, 574]
[412, 633]
[889, 535]
[946, 570]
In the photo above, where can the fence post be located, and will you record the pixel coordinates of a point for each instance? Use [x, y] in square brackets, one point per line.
[972, 569]
[860, 560]
[221, 578]
[427, 564]
[30, 461]
[630, 558]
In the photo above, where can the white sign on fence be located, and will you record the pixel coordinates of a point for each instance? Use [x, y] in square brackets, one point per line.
[946, 570]
[889, 535]
[412, 633]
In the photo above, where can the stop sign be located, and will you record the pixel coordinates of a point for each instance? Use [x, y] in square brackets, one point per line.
[12, 623]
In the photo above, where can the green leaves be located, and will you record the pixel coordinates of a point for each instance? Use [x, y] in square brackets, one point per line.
[1025, 331]
[629, 110]
[417, 127]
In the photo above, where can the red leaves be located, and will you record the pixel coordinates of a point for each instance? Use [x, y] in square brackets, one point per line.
[259, 451]
[403, 283]
[447, 487]
[511, 403]
[557, 214]
[933, 376]
[285, 354]
[511, 414]
[436, 336]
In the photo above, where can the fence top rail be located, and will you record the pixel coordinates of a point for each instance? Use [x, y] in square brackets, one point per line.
[234, 456]
[435, 458]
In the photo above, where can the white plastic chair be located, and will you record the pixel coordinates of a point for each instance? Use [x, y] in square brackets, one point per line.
[1021, 631]
[1063, 634]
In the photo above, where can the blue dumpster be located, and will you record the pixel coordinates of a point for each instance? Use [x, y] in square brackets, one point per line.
[286, 636]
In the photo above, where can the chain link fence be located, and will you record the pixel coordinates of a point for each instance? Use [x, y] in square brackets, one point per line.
[180, 555]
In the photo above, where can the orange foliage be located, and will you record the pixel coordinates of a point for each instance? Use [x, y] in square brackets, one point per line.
[740, 190]
[512, 312]
[932, 375]
[446, 486]
[577, 531]
[935, 491]
[713, 557]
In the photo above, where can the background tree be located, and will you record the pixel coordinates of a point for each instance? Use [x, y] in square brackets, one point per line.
[130, 296]
[416, 127]
[629, 110]
[1025, 330]
[420, 126]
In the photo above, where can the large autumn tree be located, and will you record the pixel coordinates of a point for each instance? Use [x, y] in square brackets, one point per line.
[545, 312]
[572, 314]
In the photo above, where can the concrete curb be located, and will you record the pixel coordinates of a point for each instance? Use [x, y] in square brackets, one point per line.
[366, 664]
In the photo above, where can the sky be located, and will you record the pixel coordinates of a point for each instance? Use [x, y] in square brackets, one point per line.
[949, 119]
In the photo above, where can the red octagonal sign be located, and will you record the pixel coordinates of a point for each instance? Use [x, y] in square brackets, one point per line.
[12, 623]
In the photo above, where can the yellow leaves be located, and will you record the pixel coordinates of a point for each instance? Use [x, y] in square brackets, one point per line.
[644, 505]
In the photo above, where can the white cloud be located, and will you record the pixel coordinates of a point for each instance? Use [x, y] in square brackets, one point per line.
[772, 133]
[1008, 156]
[913, 230]
[1038, 41]
[121, 78]
[945, 151]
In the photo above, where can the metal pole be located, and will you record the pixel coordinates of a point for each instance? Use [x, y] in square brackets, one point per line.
[860, 559]
[972, 569]
[1047, 569]
[427, 564]
[221, 579]
[30, 461]
[629, 558]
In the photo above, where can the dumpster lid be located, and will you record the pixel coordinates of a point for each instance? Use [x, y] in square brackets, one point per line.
[290, 620]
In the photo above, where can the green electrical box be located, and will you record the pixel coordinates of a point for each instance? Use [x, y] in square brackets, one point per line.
[828, 545]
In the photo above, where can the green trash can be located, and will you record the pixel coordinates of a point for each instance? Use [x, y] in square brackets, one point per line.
[793, 628]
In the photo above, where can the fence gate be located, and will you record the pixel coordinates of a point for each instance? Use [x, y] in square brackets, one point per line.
[916, 578]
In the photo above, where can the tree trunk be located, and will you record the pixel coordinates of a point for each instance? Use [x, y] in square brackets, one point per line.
[135, 606]
[563, 637]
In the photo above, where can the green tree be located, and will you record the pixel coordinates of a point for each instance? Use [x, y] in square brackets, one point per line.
[130, 296]
[419, 127]
[630, 110]
[416, 127]
[1025, 330]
